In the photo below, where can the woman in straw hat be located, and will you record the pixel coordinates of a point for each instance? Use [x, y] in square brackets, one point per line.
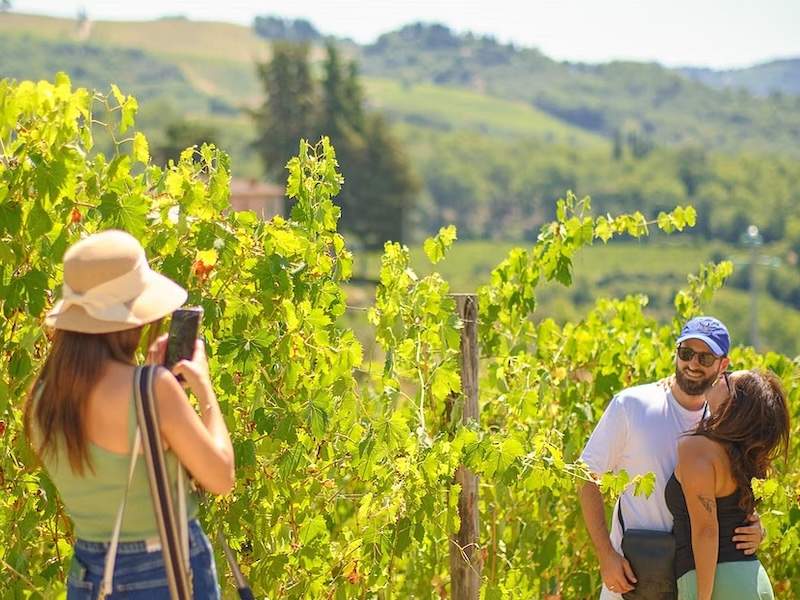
[81, 419]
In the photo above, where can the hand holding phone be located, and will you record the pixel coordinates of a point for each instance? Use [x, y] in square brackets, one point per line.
[182, 338]
[194, 373]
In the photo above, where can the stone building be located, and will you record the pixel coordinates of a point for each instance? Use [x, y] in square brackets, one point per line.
[264, 199]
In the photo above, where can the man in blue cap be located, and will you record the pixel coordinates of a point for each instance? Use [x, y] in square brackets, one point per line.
[639, 433]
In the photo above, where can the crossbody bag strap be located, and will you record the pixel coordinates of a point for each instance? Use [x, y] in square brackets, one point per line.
[183, 517]
[111, 555]
[176, 561]
[242, 587]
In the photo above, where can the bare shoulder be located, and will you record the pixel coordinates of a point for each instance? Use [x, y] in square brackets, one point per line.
[696, 453]
[697, 447]
[698, 458]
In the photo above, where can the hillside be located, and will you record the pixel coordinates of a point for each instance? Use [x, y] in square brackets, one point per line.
[199, 68]
[495, 132]
[447, 108]
[23, 56]
[660, 105]
[656, 102]
[770, 78]
[172, 37]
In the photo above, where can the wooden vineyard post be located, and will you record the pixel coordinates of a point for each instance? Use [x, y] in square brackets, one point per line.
[465, 556]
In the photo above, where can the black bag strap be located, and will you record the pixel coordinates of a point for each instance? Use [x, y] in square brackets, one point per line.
[242, 587]
[179, 578]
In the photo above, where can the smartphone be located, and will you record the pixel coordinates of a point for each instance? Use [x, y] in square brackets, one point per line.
[183, 331]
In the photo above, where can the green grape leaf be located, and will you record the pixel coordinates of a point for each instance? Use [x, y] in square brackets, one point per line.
[436, 247]
[141, 150]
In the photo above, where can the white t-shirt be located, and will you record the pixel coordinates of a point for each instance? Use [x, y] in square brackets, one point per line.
[639, 433]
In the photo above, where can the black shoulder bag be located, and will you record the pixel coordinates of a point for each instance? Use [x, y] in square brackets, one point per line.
[652, 557]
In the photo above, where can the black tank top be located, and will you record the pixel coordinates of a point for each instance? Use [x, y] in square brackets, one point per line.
[729, 517]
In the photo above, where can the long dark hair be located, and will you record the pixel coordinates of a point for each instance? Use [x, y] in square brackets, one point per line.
[74, 365]
[753, 426]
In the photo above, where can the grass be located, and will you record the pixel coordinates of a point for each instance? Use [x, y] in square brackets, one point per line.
[217, 58]
[184, 38]
[53, 28]
[235, 82]
[173, 37]
[452, 108]
[469, 263]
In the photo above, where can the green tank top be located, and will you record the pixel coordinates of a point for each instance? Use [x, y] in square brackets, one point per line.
[92, 500]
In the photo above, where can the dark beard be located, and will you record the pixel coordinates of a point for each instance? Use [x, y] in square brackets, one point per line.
[694, 388]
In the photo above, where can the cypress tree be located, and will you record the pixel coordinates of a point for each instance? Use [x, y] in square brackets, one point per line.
[287, 114]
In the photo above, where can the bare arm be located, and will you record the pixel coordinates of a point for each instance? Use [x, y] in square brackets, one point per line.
[202, 443]
[615, 570]
[698, 480]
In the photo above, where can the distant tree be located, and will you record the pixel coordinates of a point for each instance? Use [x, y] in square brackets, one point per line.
[304, 31]
[433, 36]
[275, 28]
[619, 145]
[382, 189]
[181, 134]
[640, 145]
[793, 236]
[693, 168]
[379, 185]
[5, 5]
[334, 120]
[287, 114]
[353, 98]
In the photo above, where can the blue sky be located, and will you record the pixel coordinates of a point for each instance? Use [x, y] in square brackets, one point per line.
[716, 33]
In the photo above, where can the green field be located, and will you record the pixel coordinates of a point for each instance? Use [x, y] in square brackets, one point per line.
[658, 269]
[172, 37]
[448, 108]
[469, 263]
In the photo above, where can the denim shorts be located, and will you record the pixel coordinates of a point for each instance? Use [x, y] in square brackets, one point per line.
[139, 574]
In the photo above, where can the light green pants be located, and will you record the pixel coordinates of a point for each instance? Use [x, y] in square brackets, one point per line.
[744, 580]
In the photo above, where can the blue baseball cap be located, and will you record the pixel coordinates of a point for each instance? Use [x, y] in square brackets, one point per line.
[709, 330]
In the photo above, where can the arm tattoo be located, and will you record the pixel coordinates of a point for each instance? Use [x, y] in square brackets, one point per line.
[706, 502]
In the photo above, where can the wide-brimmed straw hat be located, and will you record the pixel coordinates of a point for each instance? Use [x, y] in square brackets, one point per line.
[108, 286]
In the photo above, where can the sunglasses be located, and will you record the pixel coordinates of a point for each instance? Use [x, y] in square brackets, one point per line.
[726, 375]
[704, 358]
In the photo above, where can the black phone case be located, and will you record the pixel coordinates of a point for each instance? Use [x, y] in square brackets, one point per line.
[182, 335]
